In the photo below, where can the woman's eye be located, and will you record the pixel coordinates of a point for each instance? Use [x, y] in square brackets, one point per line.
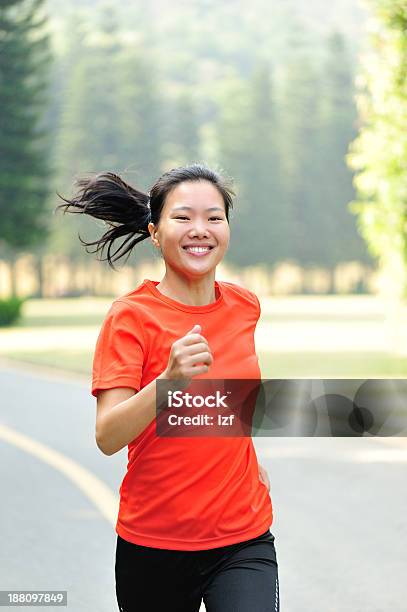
[217, 218]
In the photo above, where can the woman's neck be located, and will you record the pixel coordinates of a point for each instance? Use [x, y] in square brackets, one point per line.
[191, 292]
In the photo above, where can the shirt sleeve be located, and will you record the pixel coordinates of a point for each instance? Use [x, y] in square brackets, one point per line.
[120, 349]
[258, 305]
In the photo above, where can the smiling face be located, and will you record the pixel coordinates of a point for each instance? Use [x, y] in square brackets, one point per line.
[202, 224]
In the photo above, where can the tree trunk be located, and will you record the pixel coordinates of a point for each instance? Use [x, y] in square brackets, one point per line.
[13, 277]
[39, 270]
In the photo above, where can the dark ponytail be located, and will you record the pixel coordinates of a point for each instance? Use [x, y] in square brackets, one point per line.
[106, 196]
[128, 210]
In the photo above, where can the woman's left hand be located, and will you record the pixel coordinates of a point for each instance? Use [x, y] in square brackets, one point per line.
[264, 477]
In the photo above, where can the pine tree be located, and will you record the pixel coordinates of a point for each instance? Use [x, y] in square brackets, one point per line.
[339, 239]
[300, 124]
[25, 165]
[110, 121]
[249, 147]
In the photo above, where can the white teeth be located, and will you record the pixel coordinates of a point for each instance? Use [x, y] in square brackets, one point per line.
[198, 249]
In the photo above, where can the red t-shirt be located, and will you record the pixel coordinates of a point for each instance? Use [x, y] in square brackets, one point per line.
[184, 493]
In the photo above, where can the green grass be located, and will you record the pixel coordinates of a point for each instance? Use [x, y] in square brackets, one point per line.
[63, 312]
[334, 365]
[58, 320]
[273, 365]
[74, 361]
[49, 315]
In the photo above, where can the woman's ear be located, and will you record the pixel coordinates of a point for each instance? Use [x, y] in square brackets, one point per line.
[153, 234]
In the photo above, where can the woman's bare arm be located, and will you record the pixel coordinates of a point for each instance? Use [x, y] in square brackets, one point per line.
[122, 415]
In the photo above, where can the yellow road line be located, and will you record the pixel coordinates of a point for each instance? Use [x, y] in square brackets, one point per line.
[101, 496]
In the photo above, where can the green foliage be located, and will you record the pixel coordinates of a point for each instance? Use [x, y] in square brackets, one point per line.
[10, 310]
[141, 88]
[380, 151]
[24, 162]
[110, 118]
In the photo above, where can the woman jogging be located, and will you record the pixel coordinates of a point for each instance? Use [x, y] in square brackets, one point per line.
[194, 513]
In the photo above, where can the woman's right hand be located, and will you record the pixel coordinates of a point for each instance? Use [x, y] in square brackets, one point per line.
[186, 353]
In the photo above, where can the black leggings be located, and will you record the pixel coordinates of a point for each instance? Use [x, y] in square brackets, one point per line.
[240, 577]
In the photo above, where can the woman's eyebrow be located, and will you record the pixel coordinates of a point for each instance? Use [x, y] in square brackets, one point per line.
[190, 208]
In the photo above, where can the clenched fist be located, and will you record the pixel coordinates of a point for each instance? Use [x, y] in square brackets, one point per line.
[187, 353]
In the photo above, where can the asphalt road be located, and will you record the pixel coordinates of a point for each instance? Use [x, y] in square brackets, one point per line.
[340, 507]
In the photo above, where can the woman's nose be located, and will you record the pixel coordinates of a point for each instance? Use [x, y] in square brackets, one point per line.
[199, 228]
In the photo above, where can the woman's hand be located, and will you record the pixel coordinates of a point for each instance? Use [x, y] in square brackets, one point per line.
[264, 477]
[186, 353]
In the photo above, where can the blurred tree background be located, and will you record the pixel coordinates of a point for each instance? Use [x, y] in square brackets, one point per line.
[265, 91]
[25, 143]
[380, 151]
